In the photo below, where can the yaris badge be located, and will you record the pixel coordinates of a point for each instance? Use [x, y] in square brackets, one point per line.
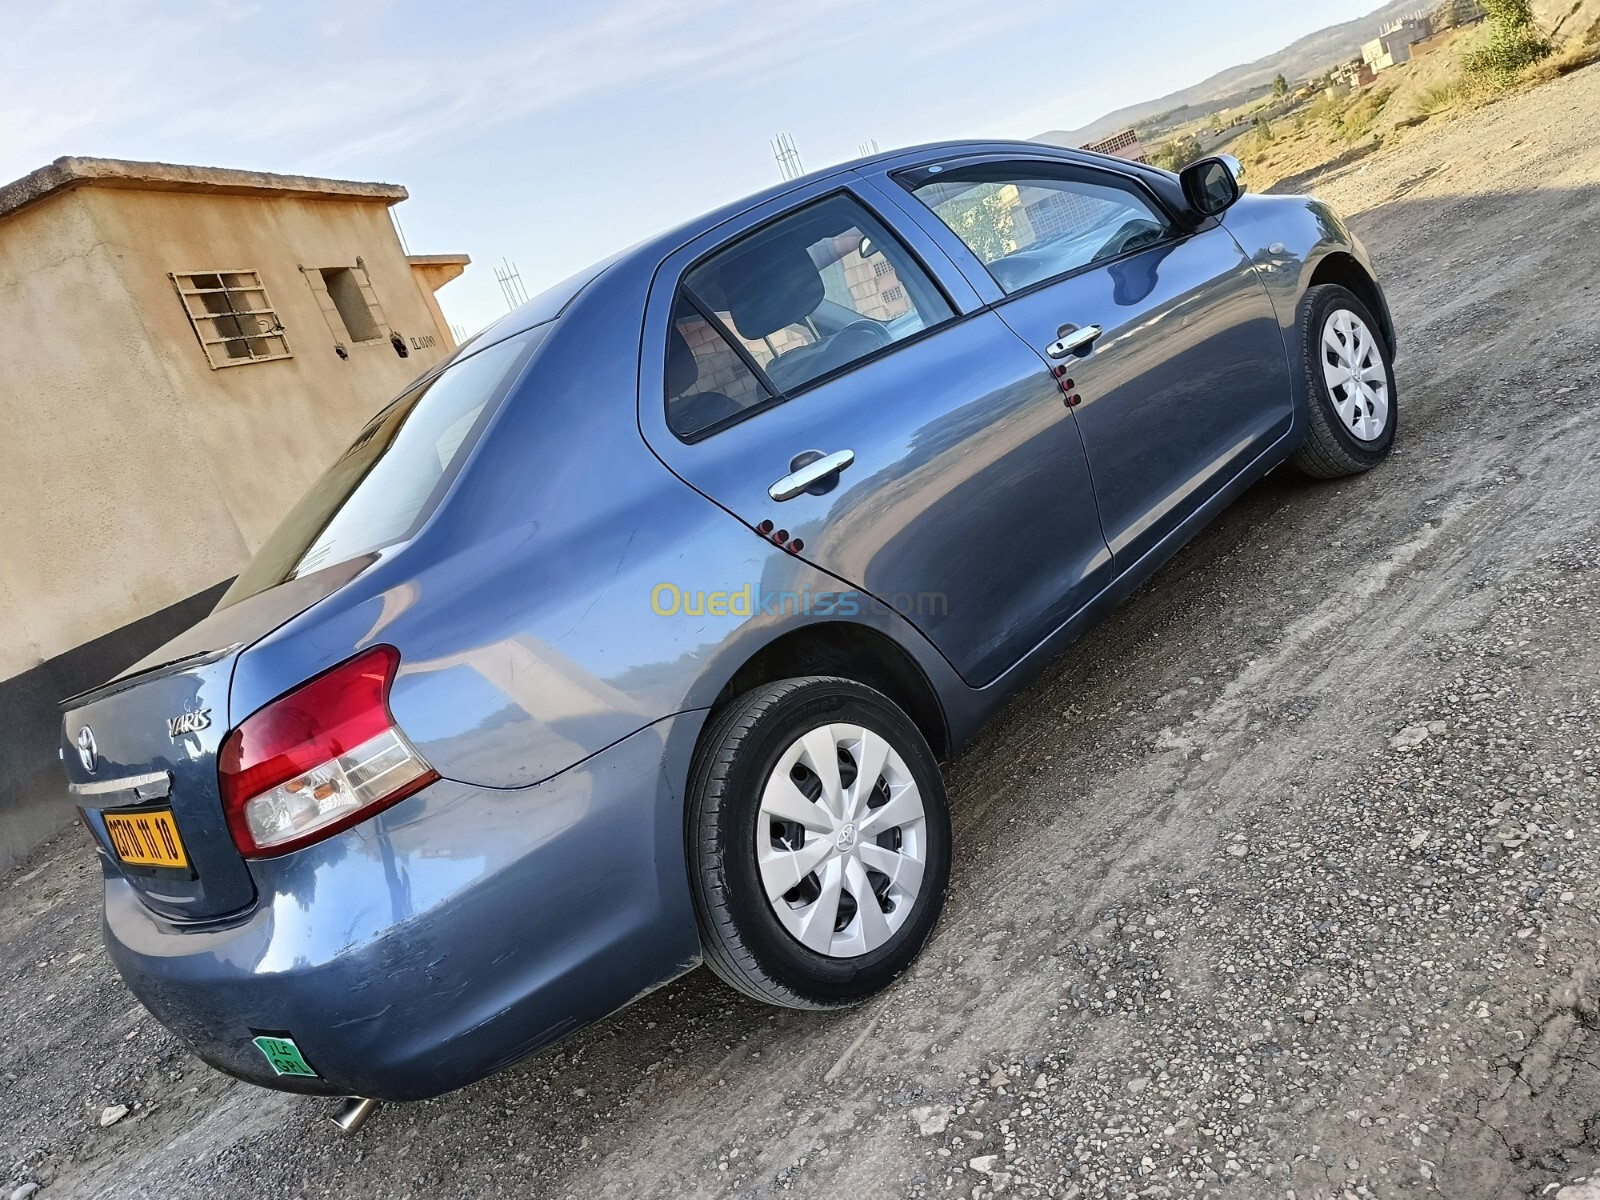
[189, 722]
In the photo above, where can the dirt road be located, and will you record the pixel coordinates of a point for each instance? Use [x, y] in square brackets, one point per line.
[1282, 884]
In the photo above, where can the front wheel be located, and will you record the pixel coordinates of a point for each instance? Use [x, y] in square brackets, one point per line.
[1350, 387]
[819, 840]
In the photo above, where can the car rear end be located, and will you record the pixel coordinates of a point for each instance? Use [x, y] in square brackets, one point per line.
[188, 810]
[309, 907]
[292, 885]
[141, 760]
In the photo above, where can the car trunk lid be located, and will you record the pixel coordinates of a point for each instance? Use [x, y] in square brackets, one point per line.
[152, 745]
[146, 744]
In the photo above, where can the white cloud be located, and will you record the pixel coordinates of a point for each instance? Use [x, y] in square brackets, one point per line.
[315, 86]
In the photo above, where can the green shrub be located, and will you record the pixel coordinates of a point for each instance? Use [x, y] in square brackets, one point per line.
[1439, 97]
[1326, 108]
[1513, 43]
[1507, 52]
[1363, 113]
[1177, 154]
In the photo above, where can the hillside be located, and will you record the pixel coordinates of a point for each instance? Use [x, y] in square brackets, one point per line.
[1310, 55]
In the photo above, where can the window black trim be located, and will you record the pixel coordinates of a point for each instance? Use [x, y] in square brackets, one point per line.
[709, 316]
[1128, 171]
[779, 396]
[1178, 231]
[774, 396]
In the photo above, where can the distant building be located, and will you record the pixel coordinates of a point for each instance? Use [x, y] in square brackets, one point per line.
[1429, 45]
[1393, 44]
[1352, 75]
[1125, 144]
[185, 350]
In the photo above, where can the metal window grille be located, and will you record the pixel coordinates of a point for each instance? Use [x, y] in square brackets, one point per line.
[232, 315]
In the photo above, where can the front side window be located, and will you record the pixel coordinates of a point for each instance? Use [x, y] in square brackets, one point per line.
[387, 483]
[815, 291]
[1028, 222]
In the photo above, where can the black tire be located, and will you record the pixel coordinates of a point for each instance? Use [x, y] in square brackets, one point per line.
[1331, 450]
[743, 940]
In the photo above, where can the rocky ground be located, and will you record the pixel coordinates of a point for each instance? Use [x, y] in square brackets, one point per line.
[1283, 884]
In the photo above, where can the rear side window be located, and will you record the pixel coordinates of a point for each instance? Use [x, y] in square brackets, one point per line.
[390, 479]
[1028, 222]
[817, 290]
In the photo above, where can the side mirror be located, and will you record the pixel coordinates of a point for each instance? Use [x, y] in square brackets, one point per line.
[865, 248]
[1211, 186]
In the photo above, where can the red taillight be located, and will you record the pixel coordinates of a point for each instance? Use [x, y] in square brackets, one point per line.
[318, 759]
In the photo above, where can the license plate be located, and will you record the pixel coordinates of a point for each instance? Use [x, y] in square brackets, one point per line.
[146, 839]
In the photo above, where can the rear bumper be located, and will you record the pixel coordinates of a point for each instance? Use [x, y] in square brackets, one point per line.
[445, 939]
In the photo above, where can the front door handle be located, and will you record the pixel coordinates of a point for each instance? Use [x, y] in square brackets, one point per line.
[808, 470]
[1073, 340]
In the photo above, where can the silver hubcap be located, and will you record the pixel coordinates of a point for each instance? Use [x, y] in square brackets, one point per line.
[1352, 365]
[841, 840]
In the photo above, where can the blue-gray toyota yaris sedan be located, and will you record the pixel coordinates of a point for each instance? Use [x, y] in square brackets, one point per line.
[633, 635]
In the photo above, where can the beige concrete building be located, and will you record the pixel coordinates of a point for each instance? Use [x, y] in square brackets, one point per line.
[184, 349]
[1392, 46]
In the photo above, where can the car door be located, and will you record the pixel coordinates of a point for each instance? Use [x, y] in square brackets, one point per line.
[836, 385]
[1166, 333]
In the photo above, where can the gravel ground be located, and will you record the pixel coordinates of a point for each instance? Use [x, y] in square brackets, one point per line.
[1282, 884]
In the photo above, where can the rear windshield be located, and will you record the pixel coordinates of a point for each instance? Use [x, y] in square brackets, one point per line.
[390, 479]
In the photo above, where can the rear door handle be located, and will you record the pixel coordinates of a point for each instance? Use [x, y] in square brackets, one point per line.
[808, 470]
[1072, 342]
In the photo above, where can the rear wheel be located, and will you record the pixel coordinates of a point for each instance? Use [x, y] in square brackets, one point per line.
[1349, 384]
[819, 842]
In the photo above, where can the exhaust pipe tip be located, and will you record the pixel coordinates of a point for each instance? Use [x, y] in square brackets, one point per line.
[354, 1113]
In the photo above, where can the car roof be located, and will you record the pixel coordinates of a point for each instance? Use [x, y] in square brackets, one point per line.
[909, 155]
[549, 303]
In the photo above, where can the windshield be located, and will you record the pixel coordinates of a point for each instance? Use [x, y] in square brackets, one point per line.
[391, 478]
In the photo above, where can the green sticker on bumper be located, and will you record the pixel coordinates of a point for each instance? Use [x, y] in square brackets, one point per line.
[284, 1056]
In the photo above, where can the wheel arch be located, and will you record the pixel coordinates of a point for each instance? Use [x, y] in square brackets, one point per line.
[1345, 269]
[851, 651]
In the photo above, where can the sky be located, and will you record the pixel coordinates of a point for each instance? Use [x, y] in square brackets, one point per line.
[553, 134]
